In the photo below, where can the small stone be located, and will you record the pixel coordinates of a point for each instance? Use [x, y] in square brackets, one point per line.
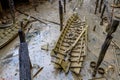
[15, 74]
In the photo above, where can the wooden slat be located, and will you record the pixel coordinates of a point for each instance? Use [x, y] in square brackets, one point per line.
[76, 65]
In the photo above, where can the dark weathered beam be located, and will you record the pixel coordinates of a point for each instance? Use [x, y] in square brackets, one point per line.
[106, 44]
[97, 3]
[103, 11]
[61, 15]
[24, 60]
[64, 6]
[102, 52]
[101, 3]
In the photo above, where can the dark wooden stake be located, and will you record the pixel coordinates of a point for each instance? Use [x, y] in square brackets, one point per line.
[64, 6]
[24, 60]
[102, 52]
[61, 15]
[101, 2]
[97, 2]
[103, 11]
[106, 44]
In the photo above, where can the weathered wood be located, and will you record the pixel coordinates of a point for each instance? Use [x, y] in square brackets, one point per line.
[97, 2]
[101, 3]
[64, 6]
[76, 65]
[61, 15]
[24, 60]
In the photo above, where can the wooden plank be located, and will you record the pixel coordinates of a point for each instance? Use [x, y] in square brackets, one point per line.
[65, 44]
[56, 60]
[60, 56]
[77, 40]
[76, 65]
[74, 58]
[74, 54]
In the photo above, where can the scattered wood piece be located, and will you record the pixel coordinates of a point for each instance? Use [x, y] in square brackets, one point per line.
[24, 59]
[38, 72]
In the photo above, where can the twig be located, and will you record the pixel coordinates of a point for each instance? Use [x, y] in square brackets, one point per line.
[38, 72]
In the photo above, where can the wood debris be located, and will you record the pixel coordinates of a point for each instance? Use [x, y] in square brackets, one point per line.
[37, 72]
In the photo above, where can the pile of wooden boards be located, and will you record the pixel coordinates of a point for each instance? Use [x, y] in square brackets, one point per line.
[8, 34]
[70, 50]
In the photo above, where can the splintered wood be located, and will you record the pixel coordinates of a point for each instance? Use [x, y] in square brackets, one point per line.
[70, 50]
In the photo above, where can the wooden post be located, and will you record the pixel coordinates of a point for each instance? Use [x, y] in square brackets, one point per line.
[101, 2]
[106, 44]
[64, 6]
[24, 60]
[61, 15]
[97, 2]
